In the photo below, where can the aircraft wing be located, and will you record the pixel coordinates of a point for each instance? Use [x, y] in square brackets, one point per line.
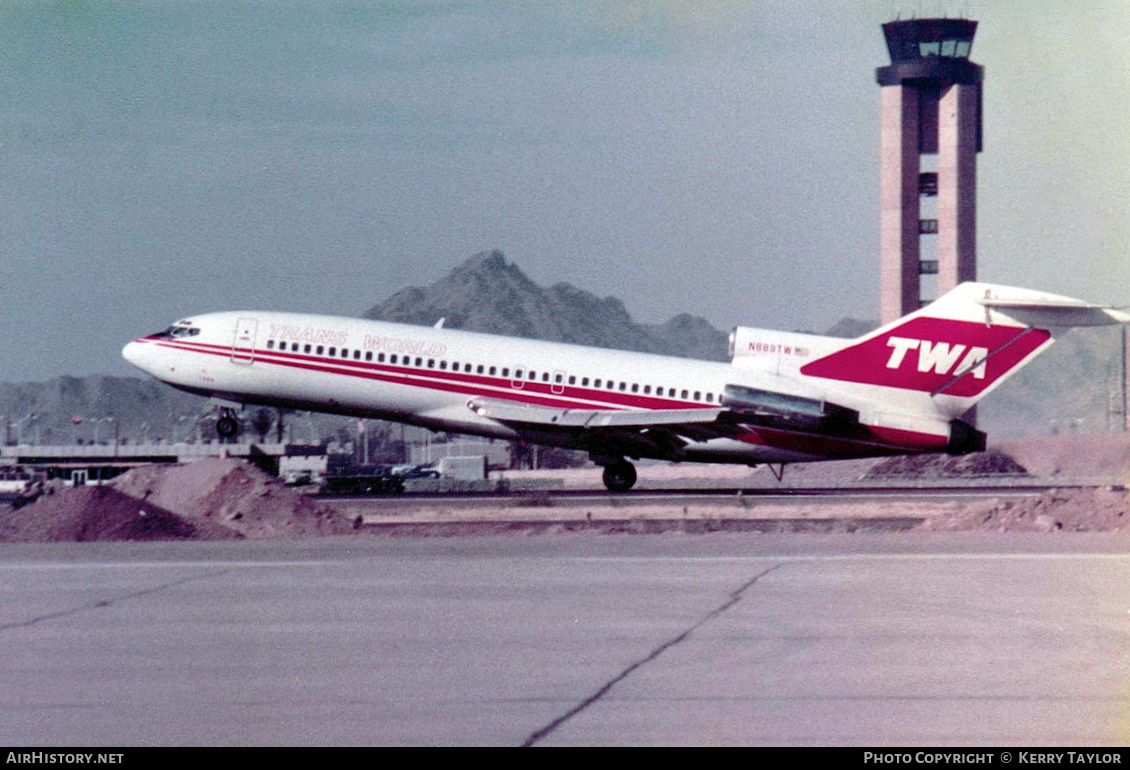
[668, 428]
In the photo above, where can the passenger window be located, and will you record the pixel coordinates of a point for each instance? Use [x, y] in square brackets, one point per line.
[647, 390]
[596, 383]
[684, 394]
[270, 344]
[698, 395]
[321, 349]
[333, 351]
[419, 362]
[431, 363]
[393, 359]
[710, 398]
[635, 387]
[533, 375]
[307, 349]
[572, 380]
[584, 382]
[443, 365]
[479, 370]
[369, 356]
[294, 346]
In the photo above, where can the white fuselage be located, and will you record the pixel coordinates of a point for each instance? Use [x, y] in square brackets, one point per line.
[427, 376]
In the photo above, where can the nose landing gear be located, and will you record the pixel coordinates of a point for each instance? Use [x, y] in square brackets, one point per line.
[227, 425]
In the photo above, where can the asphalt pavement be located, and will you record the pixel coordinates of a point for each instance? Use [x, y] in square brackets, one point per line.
[867, 640]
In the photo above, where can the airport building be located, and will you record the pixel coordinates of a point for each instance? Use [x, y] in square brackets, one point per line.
[930, 137]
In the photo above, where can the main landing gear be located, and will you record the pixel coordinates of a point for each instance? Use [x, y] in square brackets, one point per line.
[227, 425]
[619, 475]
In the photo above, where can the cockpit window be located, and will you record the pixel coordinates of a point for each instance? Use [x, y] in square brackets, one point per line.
[178, 330]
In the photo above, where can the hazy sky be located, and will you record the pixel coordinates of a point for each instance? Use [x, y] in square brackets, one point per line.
[160, 159]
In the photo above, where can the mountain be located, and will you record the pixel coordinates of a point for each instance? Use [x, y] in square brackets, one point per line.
[486, 293]
[71, 409]
[489, 294]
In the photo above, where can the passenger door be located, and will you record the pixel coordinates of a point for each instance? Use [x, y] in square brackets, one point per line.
[243, 345]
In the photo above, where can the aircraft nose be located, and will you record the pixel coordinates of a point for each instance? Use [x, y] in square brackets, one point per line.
[132, 352]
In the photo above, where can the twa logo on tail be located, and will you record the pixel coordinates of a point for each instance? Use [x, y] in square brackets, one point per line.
[939, 356]
[933, 355]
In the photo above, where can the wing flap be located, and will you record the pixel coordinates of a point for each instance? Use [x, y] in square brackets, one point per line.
[656, 433]
[528, 414]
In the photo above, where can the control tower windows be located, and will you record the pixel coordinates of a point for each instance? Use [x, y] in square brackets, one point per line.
[952, 49]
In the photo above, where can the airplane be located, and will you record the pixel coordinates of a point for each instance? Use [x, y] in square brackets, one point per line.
[785, 397]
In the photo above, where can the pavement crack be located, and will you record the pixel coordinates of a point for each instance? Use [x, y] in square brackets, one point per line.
[734, 598]
[105, 602]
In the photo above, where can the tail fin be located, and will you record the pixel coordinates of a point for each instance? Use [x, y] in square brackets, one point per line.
[961, 346]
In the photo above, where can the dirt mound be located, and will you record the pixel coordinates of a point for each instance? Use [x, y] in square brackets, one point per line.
[214, 499]
[991, 463]
[235, 495]
[1106, 509]
[1103, 457]
[84, 514]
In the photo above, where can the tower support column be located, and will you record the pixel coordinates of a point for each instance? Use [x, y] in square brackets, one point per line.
[899, 202]
[957, 186]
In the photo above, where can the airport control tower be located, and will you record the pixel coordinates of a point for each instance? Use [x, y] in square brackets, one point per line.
[931, 134]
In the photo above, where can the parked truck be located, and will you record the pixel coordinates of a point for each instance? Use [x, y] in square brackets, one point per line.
[361, 480]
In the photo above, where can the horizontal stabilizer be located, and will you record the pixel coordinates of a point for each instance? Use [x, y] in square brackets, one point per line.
[1056, 311]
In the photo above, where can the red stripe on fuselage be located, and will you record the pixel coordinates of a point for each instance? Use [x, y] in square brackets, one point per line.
[531, 392]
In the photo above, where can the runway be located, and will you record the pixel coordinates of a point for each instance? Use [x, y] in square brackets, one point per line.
[883, 640]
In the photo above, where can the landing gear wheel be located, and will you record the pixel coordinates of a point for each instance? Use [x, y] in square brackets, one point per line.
[619, 476]
[227, 426]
